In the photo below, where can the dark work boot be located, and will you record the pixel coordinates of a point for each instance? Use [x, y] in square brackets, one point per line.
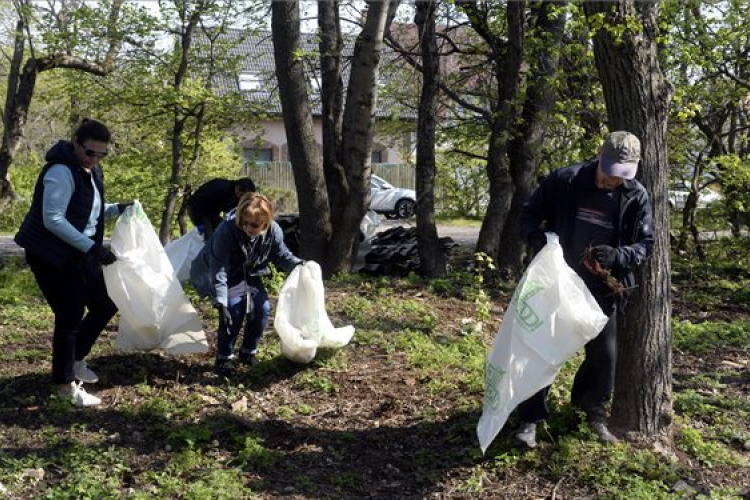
[224, 367]
[600, 428]
[248, 359]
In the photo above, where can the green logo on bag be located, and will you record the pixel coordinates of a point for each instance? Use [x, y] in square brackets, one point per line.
[524, 312]
[494, 376]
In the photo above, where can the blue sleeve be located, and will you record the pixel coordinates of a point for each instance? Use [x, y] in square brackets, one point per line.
[219, 256]
[58, 190]
[280, 254]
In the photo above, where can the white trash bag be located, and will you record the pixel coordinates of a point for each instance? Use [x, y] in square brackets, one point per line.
[301, 319]
[551, 316]
[154, 311]
[369, 224]
[182, 251]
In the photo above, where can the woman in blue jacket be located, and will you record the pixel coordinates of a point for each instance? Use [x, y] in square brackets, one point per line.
[230, 268]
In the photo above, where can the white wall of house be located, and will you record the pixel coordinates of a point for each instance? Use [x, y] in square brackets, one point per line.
[272, 139]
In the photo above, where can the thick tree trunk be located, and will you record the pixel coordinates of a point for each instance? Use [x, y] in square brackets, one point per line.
[432, 258]
[637, 97]
[526, 145]
[332, 100]
[501, 194]
[315, 224]
[507, 66]
[357, 132]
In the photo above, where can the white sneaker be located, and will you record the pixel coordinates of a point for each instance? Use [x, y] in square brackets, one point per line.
[84, 373]
[78, 395]
[527, 434]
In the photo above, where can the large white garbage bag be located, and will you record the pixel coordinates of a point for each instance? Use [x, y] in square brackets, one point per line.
[301, 319]
[369, 224]
[182, 251]
[551, 316]
[154, 311]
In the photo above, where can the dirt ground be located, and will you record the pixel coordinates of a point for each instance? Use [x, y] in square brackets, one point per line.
[381, 434]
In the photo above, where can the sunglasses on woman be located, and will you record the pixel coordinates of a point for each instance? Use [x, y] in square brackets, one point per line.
[95, 154]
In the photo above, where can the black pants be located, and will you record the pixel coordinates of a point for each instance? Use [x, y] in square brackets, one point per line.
[593, 383]
[69, 291]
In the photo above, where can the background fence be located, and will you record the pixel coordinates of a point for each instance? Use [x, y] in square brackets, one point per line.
[277, 178]
[279, 175]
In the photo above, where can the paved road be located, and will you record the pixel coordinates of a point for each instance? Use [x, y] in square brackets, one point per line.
[462, 235]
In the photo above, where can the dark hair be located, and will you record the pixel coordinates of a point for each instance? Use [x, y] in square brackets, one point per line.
[91, 129]
[245, 185]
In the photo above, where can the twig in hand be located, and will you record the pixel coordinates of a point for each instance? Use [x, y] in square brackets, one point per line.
[590, 263]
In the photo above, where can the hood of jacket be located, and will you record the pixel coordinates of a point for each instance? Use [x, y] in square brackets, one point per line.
[63, 152]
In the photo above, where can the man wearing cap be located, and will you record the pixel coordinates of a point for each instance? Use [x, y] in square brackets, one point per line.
[596, 205]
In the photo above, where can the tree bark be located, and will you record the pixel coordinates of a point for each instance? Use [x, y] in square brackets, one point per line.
[12, 122]
[526, 145]
[432, 258]
[315, 223]
[507, 59]
[357, 132]
[21, 86]
[178, 126]
[332, 101]
[637, 97]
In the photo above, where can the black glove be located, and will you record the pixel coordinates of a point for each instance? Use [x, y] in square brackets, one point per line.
[537, 240]
[122, 206]
[605, 255]
[224, 315]
[103, 255]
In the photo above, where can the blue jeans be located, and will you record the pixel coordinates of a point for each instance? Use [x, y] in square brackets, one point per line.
[255, 322]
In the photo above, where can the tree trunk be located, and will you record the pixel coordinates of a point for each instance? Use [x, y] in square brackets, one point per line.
[332, 102]
[315, 223]
[178, 155]
[357, 132]
[526, 145]
[501, 194]
[432, 258]
[507, 66]
[12, 120]
[21, 87]
[637, 97]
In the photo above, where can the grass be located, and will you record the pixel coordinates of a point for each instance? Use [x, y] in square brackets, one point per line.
[392, 415]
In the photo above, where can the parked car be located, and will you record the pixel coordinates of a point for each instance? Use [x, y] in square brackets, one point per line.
[678, 195]
[393, 202]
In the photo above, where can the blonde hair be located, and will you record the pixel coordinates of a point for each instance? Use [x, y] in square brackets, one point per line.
[254, 207]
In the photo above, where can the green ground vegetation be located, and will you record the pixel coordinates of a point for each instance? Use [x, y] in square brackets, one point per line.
[392, 415]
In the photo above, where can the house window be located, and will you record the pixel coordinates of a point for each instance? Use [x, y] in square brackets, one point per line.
[250, 82]
[258, 154]
[376, 157]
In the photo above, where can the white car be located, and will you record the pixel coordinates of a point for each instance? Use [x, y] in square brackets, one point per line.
[391, 201]
[678, 195]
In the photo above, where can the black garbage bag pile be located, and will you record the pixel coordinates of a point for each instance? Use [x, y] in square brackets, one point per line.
[289, 224]
[394, 252]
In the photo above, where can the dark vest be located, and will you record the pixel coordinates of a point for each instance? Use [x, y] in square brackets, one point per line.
[37, 239]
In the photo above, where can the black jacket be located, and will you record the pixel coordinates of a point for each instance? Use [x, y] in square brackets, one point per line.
[554, 204]
[211, 199]
[34, 237]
